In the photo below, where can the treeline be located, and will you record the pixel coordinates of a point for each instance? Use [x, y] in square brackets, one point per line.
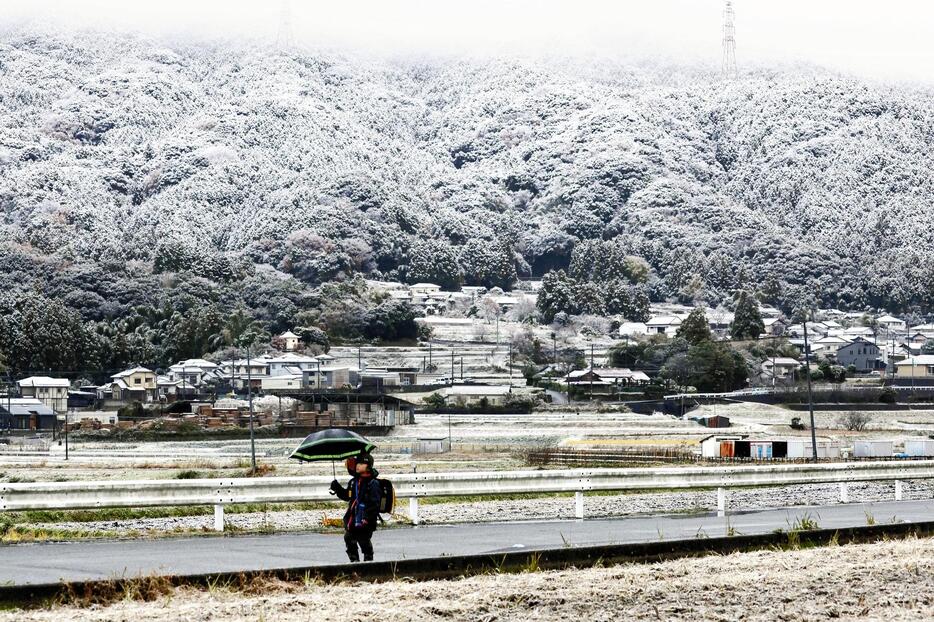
[41, 334]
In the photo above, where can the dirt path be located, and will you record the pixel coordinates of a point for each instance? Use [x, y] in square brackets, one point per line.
[889, 580]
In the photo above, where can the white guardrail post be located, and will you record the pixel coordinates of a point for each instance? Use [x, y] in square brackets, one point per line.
[218, 517]
[413, 510]
[412, 486]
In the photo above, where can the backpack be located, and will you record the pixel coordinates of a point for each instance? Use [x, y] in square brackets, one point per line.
[387, 496]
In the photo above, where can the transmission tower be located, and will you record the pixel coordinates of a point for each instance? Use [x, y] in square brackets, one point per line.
[729, 41]
[285, 40]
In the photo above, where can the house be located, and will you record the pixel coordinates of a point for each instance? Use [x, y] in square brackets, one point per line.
[242, 372]
[632, 329]
[137, 384]
[719, 321]
[919, 369]
[475, 394]
[780, 368]
[861, 353]
[857, 331]
[192, 372]
[774, 326]
[663, 325]
[287, 341]
[53, 392]
[828, 345]
[21, 413]
[289, 362]
[282, 382]
[424, 289]
[890, 324]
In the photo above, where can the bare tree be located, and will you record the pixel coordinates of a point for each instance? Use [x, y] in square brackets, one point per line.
[854, 421]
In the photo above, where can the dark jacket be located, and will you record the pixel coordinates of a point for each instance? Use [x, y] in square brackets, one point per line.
[363, 493]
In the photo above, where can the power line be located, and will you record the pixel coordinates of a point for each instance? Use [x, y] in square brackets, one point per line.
[728, 66]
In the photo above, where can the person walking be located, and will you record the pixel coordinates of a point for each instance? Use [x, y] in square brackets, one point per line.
[363, 493]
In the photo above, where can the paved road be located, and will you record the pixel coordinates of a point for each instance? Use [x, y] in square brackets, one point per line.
[40, 563]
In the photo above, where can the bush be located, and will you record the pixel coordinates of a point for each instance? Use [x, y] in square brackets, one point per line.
[888, 396]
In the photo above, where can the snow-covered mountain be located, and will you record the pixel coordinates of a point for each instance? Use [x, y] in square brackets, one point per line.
[139, 156]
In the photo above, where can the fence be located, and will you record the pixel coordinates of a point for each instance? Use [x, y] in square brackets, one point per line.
[413, 486]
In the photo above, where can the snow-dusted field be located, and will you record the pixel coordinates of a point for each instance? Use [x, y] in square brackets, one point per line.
[883, 581]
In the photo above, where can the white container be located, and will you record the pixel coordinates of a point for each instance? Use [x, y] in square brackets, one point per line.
[920, 448]
[803, 449]
[872, 449]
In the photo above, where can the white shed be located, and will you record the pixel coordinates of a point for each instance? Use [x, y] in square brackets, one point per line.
[872, 449]
[432, 445]
[920, 447]
[804, 449]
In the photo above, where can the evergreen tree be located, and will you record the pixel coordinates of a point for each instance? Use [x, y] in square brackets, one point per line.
[747, 322]
[556, 295]
[695, 329]
[432, 261]
[488, 264]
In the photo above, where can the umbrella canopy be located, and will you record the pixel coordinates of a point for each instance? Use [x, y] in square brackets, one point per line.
[334, 444]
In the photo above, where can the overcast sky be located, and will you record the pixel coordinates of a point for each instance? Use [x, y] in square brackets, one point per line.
[888, 40]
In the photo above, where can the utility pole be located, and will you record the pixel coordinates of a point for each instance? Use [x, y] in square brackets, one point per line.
[453, 376]
[249, 385]
[429, 354]
[591, 372]
[462, 368]
[729, 41]
[510, 362]
[807, 364]
[359, 359]
[66, 434]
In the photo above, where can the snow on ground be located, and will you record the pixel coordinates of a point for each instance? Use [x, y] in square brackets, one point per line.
[882, 581]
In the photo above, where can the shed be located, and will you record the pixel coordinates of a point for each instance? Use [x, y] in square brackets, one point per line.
[872, 449]
[432, 445]
[718, 446]
[920, 447]
[801, 448]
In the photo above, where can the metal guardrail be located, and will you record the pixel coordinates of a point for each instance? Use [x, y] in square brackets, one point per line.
[221, 492]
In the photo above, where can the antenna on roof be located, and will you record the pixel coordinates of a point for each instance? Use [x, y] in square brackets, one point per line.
[729, 41]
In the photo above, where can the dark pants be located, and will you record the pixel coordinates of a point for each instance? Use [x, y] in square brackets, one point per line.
[361, 536]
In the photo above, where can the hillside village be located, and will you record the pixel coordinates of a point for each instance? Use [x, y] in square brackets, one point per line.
[473, 351]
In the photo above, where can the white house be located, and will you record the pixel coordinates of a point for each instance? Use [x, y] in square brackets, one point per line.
[281, 365]
[424, 289]
[53, 392]
[889, 323]
[663, 325]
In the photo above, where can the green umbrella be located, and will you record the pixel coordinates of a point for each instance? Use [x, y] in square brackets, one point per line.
[332, 444]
